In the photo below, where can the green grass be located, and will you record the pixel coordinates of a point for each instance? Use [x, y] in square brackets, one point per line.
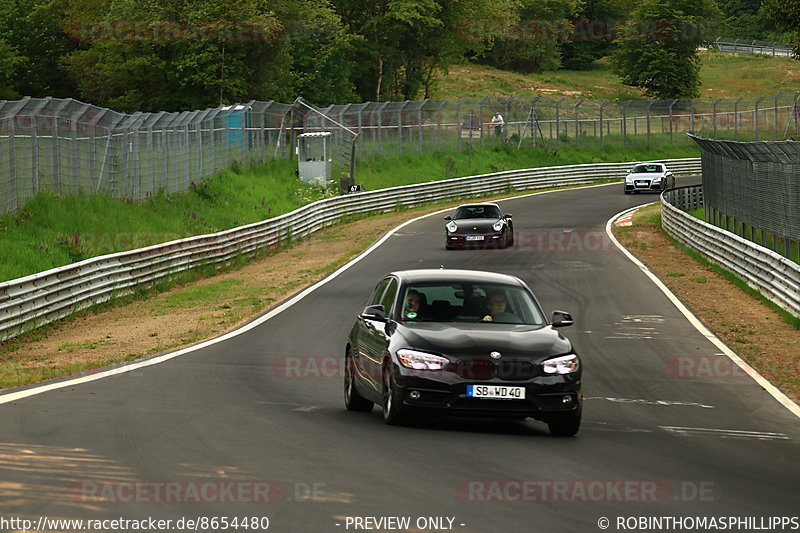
[733, 278]
[722, 76]
[54, 230]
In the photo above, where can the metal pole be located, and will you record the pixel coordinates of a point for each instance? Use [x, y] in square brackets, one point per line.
[577, 124]
[400, 127]
[714, 115]
[649, 105]
[12, 171]
[439, 127]
[625, 123]
[736, 118]
[419, 121]
[755, 116]
[460, 102]
[671, 104]
[777, 126]
[601, 123]
[558, 122]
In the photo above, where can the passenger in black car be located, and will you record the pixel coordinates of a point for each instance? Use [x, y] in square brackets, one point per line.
[497, 310]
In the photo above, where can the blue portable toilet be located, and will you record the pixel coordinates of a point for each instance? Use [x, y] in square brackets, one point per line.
[234, 119]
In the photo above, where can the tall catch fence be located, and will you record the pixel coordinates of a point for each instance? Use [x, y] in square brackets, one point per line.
[65, 146]
[753, 189]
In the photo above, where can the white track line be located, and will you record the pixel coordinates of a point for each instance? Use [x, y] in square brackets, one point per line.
[32, 391]
[741, 363]
[129, 367]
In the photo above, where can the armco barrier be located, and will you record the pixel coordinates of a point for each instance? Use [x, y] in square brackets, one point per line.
[38, 299]
[768, 272]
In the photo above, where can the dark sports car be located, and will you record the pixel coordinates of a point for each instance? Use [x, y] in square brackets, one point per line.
[462, 342]
[479, 225]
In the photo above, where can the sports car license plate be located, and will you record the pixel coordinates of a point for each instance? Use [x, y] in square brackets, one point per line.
[474, 237]
[496, 392]
[642, 183]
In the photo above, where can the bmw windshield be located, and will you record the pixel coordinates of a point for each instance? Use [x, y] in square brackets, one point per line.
[467, 302]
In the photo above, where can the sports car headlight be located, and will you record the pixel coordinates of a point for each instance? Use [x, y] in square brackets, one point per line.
[421, 360]
[656, 179]
[497, 226]
[452, 227]
[566, 364]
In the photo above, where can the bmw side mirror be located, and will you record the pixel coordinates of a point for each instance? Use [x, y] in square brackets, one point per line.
[448, 217]
[374, 312]
[507, 215]
[561, 319]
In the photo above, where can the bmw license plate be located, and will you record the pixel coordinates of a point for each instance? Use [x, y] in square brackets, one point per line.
[474, 237]
[496, 392]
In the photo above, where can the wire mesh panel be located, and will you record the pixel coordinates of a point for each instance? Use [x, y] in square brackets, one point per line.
[754, 188]
[66, 146]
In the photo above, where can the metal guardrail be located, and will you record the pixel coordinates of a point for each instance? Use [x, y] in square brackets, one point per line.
[736, 46]
[38, 299]
[768, 272]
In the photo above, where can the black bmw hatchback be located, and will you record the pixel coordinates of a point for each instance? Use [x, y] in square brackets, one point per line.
[462, 342]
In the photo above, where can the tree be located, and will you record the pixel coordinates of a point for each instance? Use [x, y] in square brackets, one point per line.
[33, 28]
[593, 33]
[174, 55]
[9, 64]
[533, 44]
[786, 15]
[406, 42]
[658, 48]
[745, 19]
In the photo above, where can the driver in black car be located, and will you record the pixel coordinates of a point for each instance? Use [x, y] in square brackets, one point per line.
[415, 304]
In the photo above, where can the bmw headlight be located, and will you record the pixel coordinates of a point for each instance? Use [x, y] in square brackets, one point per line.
[497, 226]
[566, 364]
[452, 227]
[421, 360]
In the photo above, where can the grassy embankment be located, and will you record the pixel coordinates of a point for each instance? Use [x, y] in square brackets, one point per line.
[722, 76]
[53, 230]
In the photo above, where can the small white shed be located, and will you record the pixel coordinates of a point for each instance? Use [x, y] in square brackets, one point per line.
[314, 157]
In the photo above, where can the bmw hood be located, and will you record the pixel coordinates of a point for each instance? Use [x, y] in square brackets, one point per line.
[533, 343]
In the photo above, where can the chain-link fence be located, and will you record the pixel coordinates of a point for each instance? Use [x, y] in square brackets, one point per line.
[66, 146]
[753, 190]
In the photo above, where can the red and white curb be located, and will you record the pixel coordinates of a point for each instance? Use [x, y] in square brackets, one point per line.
[626, 219]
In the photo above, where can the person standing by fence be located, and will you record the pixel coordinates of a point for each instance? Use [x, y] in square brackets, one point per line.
[498, 123]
